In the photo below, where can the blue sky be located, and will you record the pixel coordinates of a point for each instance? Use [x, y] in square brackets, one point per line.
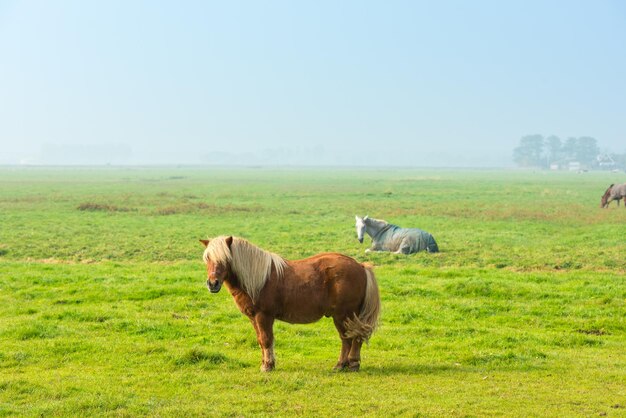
[324, 82]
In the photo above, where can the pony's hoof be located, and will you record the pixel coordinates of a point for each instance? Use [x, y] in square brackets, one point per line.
[267, 367]
[354, 367]
[340, 366]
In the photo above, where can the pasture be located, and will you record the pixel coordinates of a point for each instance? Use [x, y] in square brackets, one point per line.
[104, 309]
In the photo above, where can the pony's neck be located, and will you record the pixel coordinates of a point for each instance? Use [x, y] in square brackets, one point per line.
[375, 227]
[243, 301]
[232, 284]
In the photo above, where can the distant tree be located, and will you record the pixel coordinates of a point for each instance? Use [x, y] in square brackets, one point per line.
[569, 148]
[585, 150]
[537, 151]
[553, 149]
[529, 153]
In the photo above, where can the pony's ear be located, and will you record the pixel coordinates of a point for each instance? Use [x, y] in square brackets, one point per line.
[205, 242]
[229, 241]
[356, 217]
[366, 216]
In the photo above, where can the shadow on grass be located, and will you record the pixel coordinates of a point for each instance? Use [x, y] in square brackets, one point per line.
[476, 365]
[411, 369]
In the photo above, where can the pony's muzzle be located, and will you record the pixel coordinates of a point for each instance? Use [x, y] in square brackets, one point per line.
[214, 287]
[360, 240]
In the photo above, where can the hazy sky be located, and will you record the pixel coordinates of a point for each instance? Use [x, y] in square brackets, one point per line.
[326, 82]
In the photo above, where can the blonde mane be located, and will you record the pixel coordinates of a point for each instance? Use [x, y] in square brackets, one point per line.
[249, 263]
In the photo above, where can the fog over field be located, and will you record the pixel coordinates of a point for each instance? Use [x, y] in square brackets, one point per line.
[324, 83]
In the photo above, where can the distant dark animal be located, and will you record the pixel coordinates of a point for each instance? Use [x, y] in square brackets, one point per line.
[389, 237]
[614, 192]
[266, 287]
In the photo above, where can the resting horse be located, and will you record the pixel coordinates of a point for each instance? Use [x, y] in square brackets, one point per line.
[267, 287]
[613, 193]
[388, 237]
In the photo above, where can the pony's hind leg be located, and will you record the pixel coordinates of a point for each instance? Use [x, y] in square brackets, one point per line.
[405, 247]
[354, 357]
[346, 343]
[350, 357]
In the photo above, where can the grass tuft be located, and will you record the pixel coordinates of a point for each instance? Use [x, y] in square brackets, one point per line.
[37, 331]
[197, 355]
[101, 207]
[204, 208]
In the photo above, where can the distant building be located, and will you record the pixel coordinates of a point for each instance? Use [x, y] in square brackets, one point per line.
[606, 162]
[574, 166]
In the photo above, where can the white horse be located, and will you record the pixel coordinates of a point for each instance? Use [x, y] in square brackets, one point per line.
[389, 237]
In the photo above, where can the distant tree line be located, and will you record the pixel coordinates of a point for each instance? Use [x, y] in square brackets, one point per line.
[550, 152]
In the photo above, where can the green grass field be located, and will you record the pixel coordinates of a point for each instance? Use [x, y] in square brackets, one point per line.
[104, 309]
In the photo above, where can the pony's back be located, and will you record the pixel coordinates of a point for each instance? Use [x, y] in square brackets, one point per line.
[619, 190]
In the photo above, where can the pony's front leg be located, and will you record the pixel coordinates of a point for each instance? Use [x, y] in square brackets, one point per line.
[264, 326]
[373, 248]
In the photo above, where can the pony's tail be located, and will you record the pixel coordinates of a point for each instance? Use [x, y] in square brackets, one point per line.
[363, 325]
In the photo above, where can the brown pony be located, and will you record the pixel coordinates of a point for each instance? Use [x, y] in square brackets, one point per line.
[613, 193]
[266, 287]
